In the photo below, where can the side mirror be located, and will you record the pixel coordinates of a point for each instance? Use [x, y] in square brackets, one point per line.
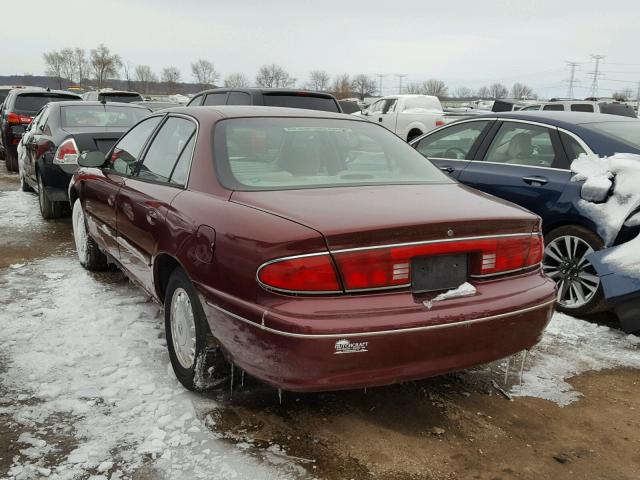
[91, 159]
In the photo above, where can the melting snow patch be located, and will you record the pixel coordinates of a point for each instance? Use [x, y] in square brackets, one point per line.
[91, 354]
[570, 347]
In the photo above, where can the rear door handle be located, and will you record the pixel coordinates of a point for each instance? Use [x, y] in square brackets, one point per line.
[447, 169]
[535, 179]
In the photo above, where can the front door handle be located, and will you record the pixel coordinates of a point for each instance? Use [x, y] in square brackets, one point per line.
[535, 179]
[447, 169]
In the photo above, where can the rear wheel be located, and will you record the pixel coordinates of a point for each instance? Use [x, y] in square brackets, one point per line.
[11, 160]
[197, 365]
[48, 209]
[24, 185]
[89, 254]
[565, 262]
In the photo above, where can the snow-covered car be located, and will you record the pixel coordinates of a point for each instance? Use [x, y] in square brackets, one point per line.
[408, 116]
[590, 106]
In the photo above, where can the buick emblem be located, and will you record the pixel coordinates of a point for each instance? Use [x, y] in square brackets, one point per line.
[449, 233]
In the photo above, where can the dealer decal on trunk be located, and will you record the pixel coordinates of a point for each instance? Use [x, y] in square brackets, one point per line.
[345, 346]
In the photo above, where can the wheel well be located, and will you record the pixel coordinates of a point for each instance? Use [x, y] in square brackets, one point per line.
[73, 196]
[164, 267]
[413, 133]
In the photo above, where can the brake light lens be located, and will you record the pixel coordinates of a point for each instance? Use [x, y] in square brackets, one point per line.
[390, 267]
[67, 153]
[312, 274]
[17, 119]
[439, 123]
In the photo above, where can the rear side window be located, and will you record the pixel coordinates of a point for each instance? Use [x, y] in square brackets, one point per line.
[571, 146]
[215, 99]
[239, 98]
[196, 101]
[617, 109]
[128, 149]
[310, 102]
[452, 142]
[31, 103]
[581, 107]
[522, 144]
[558, 107]
[167, 148]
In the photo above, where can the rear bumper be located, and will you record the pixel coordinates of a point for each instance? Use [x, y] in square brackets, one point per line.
[56, 180]
[308, 353]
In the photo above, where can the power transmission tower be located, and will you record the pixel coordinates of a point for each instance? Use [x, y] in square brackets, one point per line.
[595, 74]
[400, 77]
[572, 78]
[380, 77]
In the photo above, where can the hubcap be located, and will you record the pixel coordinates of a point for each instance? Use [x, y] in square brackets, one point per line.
[566, 264]
[183, 328]
[79, 231]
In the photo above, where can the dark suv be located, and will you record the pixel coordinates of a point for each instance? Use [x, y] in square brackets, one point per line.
[18, 111]
[271, 97]
[121, 96]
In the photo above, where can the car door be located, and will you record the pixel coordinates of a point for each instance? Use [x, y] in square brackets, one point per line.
[100, 193]
[39, 143]
[452, 147]
[388, 116]
[524, 163]
[145, 198]
[28, 145]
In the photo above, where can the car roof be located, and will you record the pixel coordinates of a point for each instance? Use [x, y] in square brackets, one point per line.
[20, 91]
[242, 111]
[268, 91]
[91, 103]
[558, 119]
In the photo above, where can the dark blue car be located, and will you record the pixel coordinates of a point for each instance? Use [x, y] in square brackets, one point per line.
[524, 157]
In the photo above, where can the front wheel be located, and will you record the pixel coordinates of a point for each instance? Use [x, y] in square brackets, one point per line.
[89, 254]
[196, 365]
[565, 262]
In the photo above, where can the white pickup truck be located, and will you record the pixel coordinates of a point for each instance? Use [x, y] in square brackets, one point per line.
[408, 116]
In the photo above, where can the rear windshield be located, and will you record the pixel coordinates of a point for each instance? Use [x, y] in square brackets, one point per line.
[31, 103]
[291, 153]
[120, 97]
[625, 132]
[301, 101]
[617, 109]
[101, 116]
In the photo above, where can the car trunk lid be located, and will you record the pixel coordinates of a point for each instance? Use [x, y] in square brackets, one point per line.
[95, 138]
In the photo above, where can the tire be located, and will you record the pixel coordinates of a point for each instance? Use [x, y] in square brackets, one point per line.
[89, 254]
[11, 160]
[579, 288]
[48, 209]
[24, 185]
[197, 366]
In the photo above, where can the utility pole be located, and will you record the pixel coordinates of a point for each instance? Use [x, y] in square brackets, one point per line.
[596, 74]
[400, 77]
[638, 100]
[572, 79]
[380, 77]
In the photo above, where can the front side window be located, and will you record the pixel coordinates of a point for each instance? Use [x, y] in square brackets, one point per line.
[581, 107]
[288, 153]
[452, 142]
[166, 149]
[522, 144]
[239, 98]
[556, 107]
[127, 151]
[377, 107]
[216, 99]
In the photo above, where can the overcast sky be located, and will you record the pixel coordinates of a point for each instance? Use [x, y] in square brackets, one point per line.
[464, 42]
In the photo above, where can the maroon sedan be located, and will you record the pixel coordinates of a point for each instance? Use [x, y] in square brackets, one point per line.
[312, 249]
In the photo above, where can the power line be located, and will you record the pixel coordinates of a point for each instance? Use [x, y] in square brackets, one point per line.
[380, 77]
[596, 74]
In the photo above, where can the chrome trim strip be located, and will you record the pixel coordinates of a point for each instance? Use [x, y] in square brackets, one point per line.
[489, 275]
[456, 122]
[522, 166]
[581, 142]
[377, 333]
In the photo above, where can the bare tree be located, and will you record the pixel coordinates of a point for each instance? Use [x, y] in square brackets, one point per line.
[435, 87]
[497, 90]
[483, 92]
[319, 80]
[128, 70]
[104, 64]
[623, 96]
[274, 76]
[521, 91]
[171, 76]
[363, 86]
[236, 80]
[54, 65]
[463, 92]
[81, 63]
[144, 76]
[204, 73]
[69, 70]
[341, 87]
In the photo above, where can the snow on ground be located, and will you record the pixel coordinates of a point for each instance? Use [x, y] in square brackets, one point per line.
[622, 171]
[569, 347]
[86, 352]
[20, 211]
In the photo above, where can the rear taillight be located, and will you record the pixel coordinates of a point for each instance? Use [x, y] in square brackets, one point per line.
[67, 153]
[439, 123]
[16, 119]
[310, 274]
[390, 267]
